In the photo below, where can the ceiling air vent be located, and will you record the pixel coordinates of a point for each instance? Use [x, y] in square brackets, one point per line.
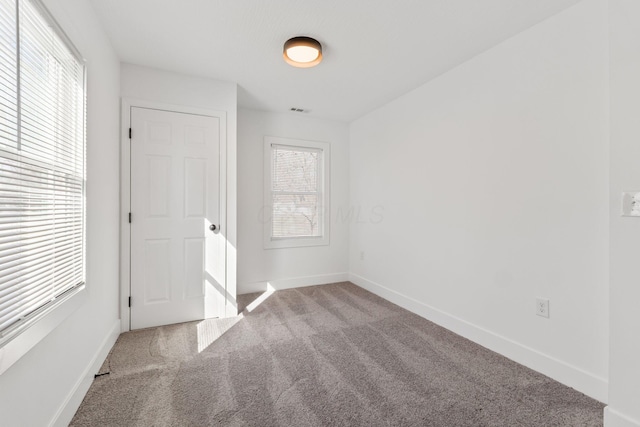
[297, 110]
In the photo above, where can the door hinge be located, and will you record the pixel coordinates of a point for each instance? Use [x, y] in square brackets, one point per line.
[129, 133]
[129, 301]
[129, 217]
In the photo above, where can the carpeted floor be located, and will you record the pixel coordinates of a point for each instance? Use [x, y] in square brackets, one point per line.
[332, 355]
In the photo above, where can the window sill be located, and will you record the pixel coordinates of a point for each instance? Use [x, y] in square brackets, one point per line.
[295, 242]
[20, 345]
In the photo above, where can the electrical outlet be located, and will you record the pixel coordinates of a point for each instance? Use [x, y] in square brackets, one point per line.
[542, 307]
[362, 256]
[631, 204]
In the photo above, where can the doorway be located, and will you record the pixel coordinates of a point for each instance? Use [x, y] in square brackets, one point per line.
[176, 221]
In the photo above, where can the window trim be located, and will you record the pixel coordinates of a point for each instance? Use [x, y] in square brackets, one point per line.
[325, 180]
[41, 325]
[18, 341]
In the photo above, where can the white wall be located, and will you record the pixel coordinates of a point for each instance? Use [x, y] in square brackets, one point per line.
[165, 87]
[59, 370]
[292, 266]
[624, 366]
[492, 181]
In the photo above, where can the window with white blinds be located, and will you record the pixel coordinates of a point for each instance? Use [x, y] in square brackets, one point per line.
[297, 190]
[42, 167]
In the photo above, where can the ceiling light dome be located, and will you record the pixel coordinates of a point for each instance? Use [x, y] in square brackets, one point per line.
[302, 52]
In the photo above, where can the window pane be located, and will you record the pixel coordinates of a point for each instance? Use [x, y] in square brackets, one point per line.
[295, 216]
[295, 170]
[51, 84]
[42, 173]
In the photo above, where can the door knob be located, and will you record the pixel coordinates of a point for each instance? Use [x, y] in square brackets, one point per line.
[213, 227]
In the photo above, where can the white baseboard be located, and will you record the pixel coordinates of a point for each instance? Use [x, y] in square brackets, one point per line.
[71, 404]
[295, 282]
[560, 371]
[613, 418]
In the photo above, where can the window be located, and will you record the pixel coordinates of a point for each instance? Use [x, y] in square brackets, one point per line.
[42, 171]
[296, 193]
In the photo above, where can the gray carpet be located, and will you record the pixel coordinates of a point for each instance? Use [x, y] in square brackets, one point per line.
[332, 355]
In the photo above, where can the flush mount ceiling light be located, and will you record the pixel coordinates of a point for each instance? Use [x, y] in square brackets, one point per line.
[302, 52]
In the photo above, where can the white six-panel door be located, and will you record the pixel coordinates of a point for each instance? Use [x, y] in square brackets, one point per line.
[177, 262]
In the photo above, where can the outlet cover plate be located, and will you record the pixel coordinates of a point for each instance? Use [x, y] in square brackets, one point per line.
[542, 307]
[631, 204]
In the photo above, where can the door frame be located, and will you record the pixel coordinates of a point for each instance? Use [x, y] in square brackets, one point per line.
[125, 199]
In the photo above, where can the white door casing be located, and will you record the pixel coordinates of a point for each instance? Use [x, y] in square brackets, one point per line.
[177, 262]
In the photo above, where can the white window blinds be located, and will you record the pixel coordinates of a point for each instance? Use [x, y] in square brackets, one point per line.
[8, 74]
[42, 177]
[296, 187]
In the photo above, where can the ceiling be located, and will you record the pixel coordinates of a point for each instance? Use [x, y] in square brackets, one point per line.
[374, 50]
